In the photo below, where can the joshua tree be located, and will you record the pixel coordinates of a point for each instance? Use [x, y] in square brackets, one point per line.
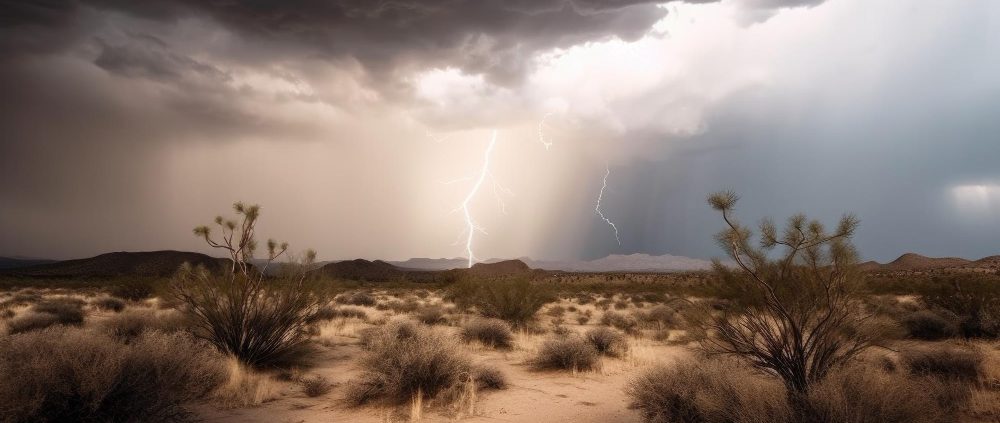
[260, 321]
[799, 316]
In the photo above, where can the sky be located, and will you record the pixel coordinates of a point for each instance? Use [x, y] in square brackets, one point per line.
[362, 127]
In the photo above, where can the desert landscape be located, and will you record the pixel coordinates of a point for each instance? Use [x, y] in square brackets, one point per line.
[524, 211]
[172, 335]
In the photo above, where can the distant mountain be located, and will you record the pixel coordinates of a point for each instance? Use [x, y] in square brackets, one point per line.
[18, 262]
[147, 263]
[915, 262]
[612, 263]
[431, 264]
[362, 270]
[626, 263]
[500, 268]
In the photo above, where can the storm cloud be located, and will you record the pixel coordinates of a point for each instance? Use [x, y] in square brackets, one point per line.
[357, 123]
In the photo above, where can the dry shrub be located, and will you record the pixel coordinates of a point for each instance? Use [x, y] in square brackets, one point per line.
[621, 321]
[582, 319]
[494, 333]
[565, 353]
[945, 363]
[31, 321]
[513, 300]
[109, 304]
[329, 313]
[404, 362]
[861, 394]
[930, 326]
[556, 311]
[709, 391]
[490, 378]
[131, 324]
[315, 386]
[133, 291]
[431, 315]
[67, 311]
[68, 374]
[245, 387]
[608, 341]
[358, 298]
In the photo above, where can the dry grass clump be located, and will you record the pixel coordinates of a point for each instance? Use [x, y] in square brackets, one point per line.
[67, 311]
[244, 386]
[31, 321]
[109, 304]
[860, 394]
[431, 315]
[513, 300]
[945, 363]
[404, 363]
[624, 322]
[608, 341]
[134, 291]
[930, 326]
[494, 333]
[315, 386]
[326, 313]
[68, 374]
[565, 353]
[490, 378]
[711, 391]
[358, 298]
[131, 324]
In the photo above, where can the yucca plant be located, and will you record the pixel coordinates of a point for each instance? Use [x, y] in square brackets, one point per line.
[260, 321]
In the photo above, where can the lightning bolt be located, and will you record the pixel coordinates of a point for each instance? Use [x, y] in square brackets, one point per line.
[597, 208]
[470, 224]
[541, 132]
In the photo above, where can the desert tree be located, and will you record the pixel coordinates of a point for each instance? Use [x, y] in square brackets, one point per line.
[260, 320]
[799, 315]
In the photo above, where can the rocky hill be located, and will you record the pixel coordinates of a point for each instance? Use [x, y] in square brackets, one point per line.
[146, 263]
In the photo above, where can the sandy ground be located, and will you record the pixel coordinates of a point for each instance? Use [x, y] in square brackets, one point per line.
[532, 396]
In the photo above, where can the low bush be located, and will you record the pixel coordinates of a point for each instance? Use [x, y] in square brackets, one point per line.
[68, 374]
[513, 300]
[130, 324]
[135, 291]
[490, 378]
[403, 361]
[30, 321]
[358, 298]
[930, 326]
[861, 394]
[948, 363]
[315, 386]
[67, 311]
[621, 321]
[565, 353]
[329, 313]
[109, 304]
[608, 341]
[494, 333]
[708, 391]
[431, 315]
